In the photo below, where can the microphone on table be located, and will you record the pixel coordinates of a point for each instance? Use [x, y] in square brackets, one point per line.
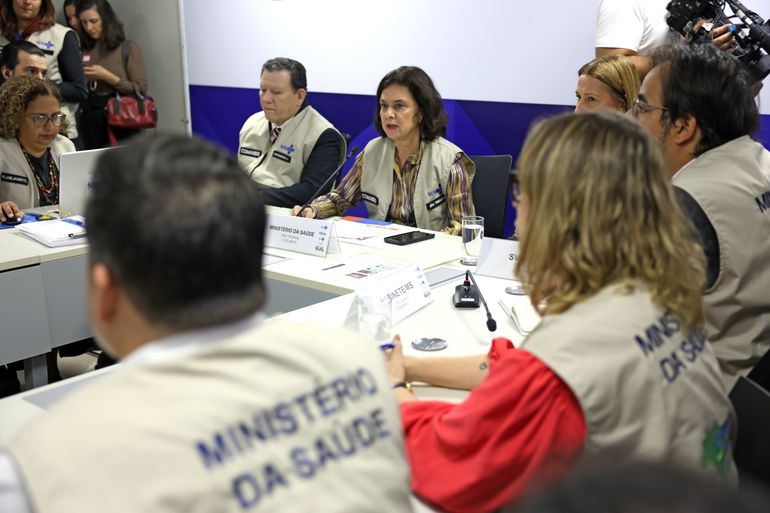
[328, 180]
[467, 296]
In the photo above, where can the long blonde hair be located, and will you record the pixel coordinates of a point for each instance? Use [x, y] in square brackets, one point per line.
[601, 211]
[618, 73]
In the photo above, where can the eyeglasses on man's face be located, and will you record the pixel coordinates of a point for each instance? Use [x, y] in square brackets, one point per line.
[642, 107]
[42, 119]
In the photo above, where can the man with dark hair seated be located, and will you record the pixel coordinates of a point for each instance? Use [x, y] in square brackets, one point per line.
[214, 408]
[288, 147]
[22, 58]
[698, 102]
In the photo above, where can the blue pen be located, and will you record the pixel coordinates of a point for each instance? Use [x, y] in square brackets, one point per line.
[385, 347]
[74, 221]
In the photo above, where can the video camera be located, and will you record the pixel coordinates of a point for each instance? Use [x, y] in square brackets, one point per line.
[752, 34]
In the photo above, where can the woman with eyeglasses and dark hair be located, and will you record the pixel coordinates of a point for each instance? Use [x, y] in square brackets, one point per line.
[33, 21]
[31, 142]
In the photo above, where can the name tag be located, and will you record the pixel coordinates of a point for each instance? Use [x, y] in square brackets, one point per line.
[498, 258]
[407, 290]
[17, 179]
[281, 156]
[370, 198]
[310, 236]
[436, 202]
[250, 152]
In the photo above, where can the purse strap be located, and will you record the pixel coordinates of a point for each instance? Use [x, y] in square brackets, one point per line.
[124, 50]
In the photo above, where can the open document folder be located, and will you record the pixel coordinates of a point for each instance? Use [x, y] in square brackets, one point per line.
[521, 311]
[57, 232]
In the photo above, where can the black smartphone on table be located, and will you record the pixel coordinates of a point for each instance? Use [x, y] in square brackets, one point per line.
[402, 239]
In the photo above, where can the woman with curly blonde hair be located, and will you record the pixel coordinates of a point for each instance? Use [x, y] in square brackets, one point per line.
[619, 363]
[607, 83]
[31, 123]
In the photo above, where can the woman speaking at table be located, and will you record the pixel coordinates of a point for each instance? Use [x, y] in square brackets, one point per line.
[410, 175]
[619, 364]
[31, 124]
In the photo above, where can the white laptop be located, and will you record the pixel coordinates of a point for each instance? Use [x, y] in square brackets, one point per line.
[75, 179]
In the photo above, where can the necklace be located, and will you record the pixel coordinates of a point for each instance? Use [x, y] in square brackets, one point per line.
[49, 194]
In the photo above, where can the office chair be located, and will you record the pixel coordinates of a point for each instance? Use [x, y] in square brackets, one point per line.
[491, 189]
[347, 138]
[752, 447]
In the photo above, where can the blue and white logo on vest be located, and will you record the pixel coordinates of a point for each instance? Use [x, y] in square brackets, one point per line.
[48, 45]
[288, 149]
[435, 191]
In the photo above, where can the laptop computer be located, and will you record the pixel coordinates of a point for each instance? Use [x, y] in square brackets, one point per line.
[75, 179]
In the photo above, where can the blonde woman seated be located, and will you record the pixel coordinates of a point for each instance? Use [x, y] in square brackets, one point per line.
[31, 124]
[620, 362]
[410, 175]
[607, 83]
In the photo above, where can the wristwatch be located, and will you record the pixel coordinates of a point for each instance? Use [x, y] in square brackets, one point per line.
[402, 384]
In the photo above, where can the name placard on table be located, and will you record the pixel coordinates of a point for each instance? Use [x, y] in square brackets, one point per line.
[498, 258]
[407, 290]
[309, 236]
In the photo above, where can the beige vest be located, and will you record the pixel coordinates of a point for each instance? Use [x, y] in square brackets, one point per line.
[283, 417]
[282, 164]
[51, 41]
[17, 182]
[430, 201]
[731, 184]
[647, 388]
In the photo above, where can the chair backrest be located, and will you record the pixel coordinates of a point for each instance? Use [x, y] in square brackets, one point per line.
[347, 138]
[752, 447]
[491, 188]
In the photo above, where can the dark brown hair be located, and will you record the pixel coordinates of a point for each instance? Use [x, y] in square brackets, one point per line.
[112, 29]
[433, 120]
[8, 20]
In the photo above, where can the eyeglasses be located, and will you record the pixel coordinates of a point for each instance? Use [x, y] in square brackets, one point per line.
[41, 119]
[640, 107]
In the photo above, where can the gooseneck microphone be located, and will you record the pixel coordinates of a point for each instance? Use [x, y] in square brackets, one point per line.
[491, 323]
[353, 151]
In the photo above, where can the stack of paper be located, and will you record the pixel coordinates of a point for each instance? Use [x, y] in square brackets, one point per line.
[521, 311]
[58, 232]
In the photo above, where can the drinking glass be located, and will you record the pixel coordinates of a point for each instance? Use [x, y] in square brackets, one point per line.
[472, 234]
[374, 319]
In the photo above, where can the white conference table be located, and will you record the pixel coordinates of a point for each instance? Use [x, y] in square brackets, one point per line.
[42, 290]
[464, 330]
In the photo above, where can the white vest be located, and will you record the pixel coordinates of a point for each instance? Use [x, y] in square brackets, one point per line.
[51, 41]
[647, 388]
[731, 184]
[17, 181]
[283, 417]
[282, 164]
[430, 201]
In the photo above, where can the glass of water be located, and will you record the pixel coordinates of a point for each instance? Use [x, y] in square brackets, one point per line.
[374, 319]
[472, 234]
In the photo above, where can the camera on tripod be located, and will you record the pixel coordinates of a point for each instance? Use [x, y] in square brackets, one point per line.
[751, 32]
